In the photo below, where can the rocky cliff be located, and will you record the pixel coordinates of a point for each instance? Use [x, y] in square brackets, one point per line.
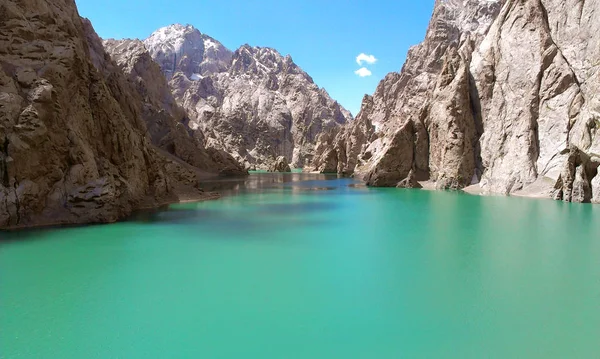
[167, 122]
[501, 94]
[538, 74]
[253, 103]
[73, 138]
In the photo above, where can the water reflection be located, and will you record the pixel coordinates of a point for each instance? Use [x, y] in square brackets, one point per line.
[263, 181]
[315, 266]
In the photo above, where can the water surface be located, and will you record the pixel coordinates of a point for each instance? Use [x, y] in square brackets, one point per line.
[308, 266]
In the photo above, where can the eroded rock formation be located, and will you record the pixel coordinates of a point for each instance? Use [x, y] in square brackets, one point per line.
[502, 94]
[537, 78]
[253, 103]
[166, 121]
[280, 165]
[73, 144]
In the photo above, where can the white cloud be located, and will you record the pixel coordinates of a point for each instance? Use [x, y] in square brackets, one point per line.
[369, 59]
[363, 72]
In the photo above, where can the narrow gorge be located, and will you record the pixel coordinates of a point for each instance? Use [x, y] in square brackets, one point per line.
[501, 97]
[169, 194]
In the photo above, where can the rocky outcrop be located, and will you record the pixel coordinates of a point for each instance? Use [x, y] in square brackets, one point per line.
[343, 149]
[166, 121]
[280, 165]
[538, 98]
[502, 94]
[574, 182]
[429, 98]
[253, 103]
[73, 145]
[396, 163]
[596, 189]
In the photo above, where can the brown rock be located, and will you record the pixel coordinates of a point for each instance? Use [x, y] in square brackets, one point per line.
[72, 136]
[280, 165]
[396, 161]
[432, 93]
[409, 182]
[499, 93]
[451, 126]
[574, 183]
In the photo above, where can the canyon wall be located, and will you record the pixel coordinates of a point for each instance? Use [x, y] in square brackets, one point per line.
[74, 141]
[501, 96]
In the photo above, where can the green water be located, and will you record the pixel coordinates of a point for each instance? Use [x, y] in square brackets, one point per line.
[306, 266]
[294, 170]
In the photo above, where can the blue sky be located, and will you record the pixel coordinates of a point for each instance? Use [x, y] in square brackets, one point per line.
[324, 37]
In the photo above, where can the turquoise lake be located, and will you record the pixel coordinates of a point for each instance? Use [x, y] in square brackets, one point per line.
[289, 266]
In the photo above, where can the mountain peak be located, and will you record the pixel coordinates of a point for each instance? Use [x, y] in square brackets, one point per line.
[174, 30]
[172, 37]
[184, 48]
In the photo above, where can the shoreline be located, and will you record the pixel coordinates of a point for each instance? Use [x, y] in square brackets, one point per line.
[539, 190]
[182, 198]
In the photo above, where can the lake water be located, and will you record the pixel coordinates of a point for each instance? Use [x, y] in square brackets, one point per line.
[290, 266]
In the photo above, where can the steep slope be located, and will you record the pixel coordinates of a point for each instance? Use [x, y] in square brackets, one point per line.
[72, 138]
[537, 73]
[166, 121]
[400, 110]
[253, 103]
[503, 94]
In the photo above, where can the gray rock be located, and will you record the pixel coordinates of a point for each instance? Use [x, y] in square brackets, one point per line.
[432, 93]
[534, 106]
[166, 121]
[253, 103]
[183, 48]
[500, 93]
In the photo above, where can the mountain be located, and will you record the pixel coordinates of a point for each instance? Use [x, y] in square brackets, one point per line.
[167, 122]
[183, 48]
[74, 145]
[500, 97]
[253, 103]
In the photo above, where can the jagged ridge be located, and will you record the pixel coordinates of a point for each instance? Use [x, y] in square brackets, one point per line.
[253, 103]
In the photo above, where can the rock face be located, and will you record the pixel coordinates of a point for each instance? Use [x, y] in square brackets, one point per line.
[253, 103]
[280, 165]
[179, 48]
[596, 190]
[73, 144]
[501, 93]
[538, 94]
[166, 121]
